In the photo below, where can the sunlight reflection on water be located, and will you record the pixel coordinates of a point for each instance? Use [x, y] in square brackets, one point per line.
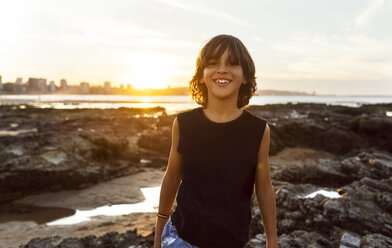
[151, 195]
[329, 194]
[17, 132]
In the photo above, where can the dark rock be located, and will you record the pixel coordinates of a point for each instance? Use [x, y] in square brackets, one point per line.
[335, 129]
[71, 243]
[259, 241]
[302, 238]
[70, 149]
[111, 239]
[42, 242]
[376, 240]
[362, 174]
[324, 173]
[157, 140]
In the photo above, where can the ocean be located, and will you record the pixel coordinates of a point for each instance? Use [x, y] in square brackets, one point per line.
[172, 104]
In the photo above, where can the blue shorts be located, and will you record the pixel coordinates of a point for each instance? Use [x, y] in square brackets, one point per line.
[170, 238]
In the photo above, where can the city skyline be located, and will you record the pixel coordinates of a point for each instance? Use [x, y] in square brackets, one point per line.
[329, 47]
[40, 86]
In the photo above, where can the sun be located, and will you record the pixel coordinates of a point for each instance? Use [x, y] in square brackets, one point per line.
[151, 70]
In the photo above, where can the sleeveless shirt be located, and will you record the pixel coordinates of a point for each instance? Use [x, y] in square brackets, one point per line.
[218, 170]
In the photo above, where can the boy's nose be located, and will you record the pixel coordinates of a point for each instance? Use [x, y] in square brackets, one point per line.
[222, 68]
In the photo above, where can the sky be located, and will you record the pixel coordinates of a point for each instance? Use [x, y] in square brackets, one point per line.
[341, 47]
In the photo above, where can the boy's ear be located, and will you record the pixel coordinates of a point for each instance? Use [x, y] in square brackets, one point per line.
[244, 81]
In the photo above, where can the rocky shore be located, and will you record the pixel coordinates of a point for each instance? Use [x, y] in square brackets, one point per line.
[69, 149]
[343, 150]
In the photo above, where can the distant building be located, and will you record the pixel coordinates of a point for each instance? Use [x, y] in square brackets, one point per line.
[1, 83]
[63, 85]
[42, 85]
[84, 88]
[36, 85]
[129, 87]
[107, 87]
[52, 86]
[19, 81]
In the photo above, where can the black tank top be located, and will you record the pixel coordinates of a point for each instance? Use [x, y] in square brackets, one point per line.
[218, 170]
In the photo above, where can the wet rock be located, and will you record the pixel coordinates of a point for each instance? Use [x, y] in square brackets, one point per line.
[376, 127]
[105, 148]
[327, 172]
[358, 210]
[42, 242]
[324, 173]
[349, 240]
[259, 241]
[361, 173]
[302, 238]
[376, 240]
[111, 239]
[70, 149]
[71, 243]
[363, 208]
[335, 129]
[157, 140]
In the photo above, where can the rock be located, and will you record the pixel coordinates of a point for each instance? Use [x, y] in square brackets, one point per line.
[157, 140]
[359, 217]
[376, 240]
[363, 208]
[70, 149]
[71, 243]
[255, 243]
[301, 238]
[333, 173]
[336, 129]
[106, 148]
[324, 173]
[350, 240]
[376, 127]
[258, 241]
[42, 242]
[102, 144]
[111, 239]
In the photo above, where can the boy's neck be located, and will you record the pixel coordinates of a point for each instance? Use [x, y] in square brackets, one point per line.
[221, 111]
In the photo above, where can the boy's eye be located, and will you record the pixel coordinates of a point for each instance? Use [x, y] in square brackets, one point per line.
[211, 63]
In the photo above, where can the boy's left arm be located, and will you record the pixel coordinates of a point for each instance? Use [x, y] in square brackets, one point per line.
[264, 191]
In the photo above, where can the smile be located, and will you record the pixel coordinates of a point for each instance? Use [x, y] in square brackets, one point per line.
[222, 81]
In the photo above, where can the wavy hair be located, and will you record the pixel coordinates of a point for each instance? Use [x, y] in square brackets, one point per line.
[238, 53]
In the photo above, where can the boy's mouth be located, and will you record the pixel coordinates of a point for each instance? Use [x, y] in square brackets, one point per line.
[222, 81]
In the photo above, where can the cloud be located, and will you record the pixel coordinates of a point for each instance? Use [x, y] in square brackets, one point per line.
[204, 11]
[372, 10]
[334, 57]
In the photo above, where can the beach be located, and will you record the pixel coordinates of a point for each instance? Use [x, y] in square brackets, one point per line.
[54, 162]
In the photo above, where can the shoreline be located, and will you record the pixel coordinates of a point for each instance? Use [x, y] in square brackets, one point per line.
[313, 147]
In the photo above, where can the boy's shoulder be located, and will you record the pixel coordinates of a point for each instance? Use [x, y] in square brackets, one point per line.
[188, 112]
[255, 117]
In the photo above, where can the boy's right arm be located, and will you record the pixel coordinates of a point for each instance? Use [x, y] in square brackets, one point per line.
[170, 183]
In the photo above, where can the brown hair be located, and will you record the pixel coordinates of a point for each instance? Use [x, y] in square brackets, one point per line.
[238, 53]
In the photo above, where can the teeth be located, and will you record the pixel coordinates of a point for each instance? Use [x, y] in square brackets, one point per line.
[222, 81]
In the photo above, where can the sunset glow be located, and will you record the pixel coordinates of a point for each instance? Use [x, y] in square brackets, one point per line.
[151, 70]
[154, 43]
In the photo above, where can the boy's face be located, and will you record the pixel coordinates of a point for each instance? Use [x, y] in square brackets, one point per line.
[223, 78]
